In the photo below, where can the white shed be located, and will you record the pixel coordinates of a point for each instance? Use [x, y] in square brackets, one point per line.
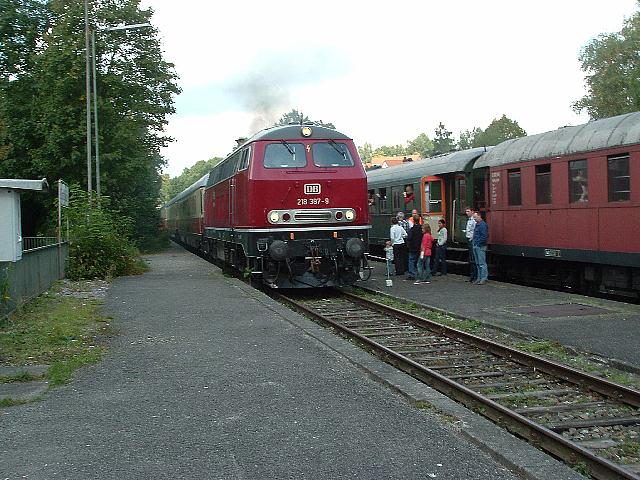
[10, 227]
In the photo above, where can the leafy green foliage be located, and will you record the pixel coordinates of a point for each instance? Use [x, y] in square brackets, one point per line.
[42, 104]
[443, 141]
[390, 150]
[99, 244]
[612, 69]
[422, 145]
[173, 186]
[294, 116]
[365, 152]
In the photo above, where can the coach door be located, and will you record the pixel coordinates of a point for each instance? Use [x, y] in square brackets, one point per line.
[459, 206]
[433, 201]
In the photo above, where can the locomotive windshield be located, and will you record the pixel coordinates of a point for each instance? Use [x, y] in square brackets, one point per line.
[331, 154]
[284, 155]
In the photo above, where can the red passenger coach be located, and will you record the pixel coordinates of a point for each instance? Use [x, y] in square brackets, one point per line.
[567, 202]
[289, 206]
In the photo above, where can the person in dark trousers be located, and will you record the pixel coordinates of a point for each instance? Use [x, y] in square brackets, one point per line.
[397, 234]
[440, 267]
[480, 237]
[414, 240]
[468, 232]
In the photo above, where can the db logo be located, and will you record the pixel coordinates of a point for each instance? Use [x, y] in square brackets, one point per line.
[312, 188]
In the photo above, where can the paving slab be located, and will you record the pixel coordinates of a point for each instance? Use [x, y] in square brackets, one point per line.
[605, 327]
[22, 390]
[209, 378]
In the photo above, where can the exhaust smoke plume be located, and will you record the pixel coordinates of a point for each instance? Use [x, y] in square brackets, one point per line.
[265, 90]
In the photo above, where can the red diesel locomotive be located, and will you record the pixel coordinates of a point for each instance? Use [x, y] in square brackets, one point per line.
[289, 205]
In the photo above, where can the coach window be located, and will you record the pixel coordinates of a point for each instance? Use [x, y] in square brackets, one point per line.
[543, 184]
[619, 178]
[397, 198]
[433, 196]
[578, 181]
[284, 155]
[514, 183]
[331, 154]
[382, 198]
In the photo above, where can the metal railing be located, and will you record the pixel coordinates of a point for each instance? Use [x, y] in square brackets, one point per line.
[33, 243]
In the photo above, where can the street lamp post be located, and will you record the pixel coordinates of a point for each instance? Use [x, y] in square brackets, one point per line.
[95, 95]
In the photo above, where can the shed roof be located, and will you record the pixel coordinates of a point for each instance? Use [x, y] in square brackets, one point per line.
[596, 135]
[413, 171]
[21, 184]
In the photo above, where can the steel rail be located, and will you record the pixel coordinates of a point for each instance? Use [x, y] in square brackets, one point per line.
[517, 424]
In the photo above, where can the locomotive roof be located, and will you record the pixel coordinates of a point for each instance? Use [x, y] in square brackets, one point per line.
[412, 171]
[202, 182]
[293, 131]
[596, 135]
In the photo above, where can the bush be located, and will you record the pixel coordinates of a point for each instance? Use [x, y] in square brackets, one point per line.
[99, 239]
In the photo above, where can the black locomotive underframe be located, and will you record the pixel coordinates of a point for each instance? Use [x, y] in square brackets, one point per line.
[314, 258]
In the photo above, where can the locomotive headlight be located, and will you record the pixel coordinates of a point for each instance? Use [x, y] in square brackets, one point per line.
[349, 215]
[274, 217]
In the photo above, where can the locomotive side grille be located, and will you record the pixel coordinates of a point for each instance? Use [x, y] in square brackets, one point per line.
[313, 216]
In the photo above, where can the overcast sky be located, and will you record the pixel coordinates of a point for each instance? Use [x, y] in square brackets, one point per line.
[382, 72]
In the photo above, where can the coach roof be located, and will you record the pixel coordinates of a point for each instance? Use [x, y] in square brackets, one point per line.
[412, 171]
[287, 132]
[596, 135]
[202, 182]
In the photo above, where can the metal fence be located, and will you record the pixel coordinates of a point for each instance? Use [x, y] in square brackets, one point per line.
[33, 243]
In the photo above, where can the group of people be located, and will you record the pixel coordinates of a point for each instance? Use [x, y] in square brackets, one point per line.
[410, 248]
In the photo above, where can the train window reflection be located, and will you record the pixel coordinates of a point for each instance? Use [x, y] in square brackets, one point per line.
[578, 181]
[433, 196]
[619, 178]
[284, 155]
[331, 154]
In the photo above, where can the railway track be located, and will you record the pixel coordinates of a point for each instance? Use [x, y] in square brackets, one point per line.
[584, 420]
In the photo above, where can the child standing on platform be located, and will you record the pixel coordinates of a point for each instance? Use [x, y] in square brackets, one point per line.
[388, 250]
[424, 261]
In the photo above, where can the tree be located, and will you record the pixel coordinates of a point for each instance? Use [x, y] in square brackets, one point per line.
[42, 95]
[294, 116]
[499, 130]
[421, 145]
[366, 153]
[612, 72]
[390, 150]
[467, 137]
[443, 142]
[173, 186]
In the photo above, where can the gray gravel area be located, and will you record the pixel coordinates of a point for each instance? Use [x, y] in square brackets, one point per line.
[206, 381]
[614, 333]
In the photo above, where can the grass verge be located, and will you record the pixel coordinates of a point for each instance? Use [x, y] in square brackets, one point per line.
[55, 330]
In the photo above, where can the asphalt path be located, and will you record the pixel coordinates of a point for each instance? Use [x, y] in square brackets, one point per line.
[207, 380]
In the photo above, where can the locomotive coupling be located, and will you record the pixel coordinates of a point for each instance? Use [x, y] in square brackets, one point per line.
[355, 248]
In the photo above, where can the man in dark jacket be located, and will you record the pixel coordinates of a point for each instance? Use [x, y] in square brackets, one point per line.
[480, 238]
[414, 240]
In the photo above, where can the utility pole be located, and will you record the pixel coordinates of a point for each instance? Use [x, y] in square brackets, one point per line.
[88, 94]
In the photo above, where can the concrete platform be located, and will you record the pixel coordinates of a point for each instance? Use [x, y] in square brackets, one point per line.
[208, 378]
[605, 327]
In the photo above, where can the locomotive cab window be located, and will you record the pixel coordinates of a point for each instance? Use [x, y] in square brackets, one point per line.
[619, 178]
[331, 154]
[515, 191]
[543, 184]
[578, 181]
[244, 159]
[284, 155]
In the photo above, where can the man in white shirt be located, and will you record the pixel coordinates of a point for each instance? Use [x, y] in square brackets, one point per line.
[471, 226]
[397, 234]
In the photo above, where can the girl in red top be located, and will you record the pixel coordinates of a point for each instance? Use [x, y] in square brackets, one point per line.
[424, 262]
